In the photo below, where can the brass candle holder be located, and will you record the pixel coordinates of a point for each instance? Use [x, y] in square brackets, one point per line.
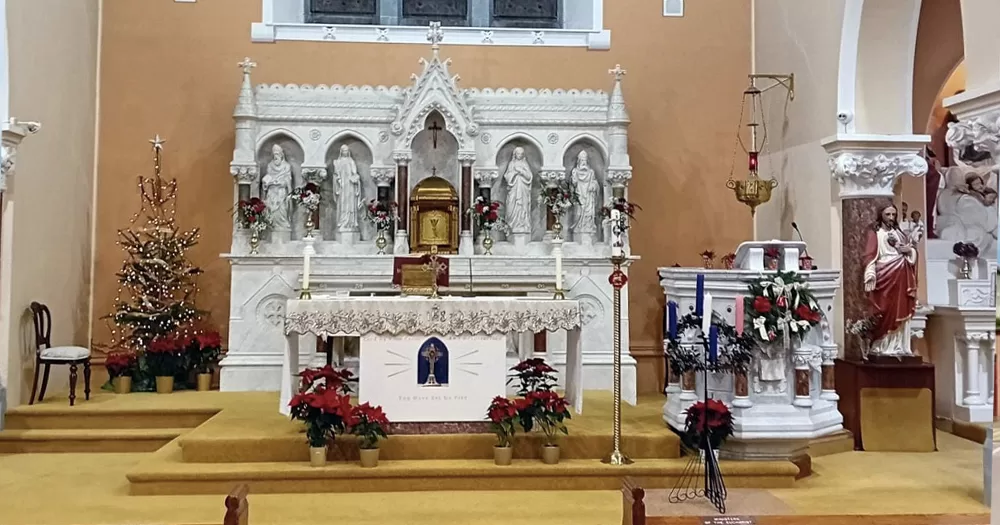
[618, 280]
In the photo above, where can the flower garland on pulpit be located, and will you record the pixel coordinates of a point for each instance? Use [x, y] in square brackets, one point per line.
[781, 305]
[735, 349]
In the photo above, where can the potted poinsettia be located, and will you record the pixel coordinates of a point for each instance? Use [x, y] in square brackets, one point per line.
[328, 376]
[532, 374]
[121, 367]
[325, 412]
[369, 424]
[502, 414]
[549, 411]
[203, 353]
[707, 423]
[164, 357]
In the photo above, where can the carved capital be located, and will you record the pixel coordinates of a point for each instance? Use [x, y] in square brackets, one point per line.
[917, 333]
[244, 174]
[383, 175]
[466, 158]
[314, 175]
[982, 133]
[486, 177]
[551, 177]
[870, 175]
[619, 176]
[13, 132]
[974, 339]
[402, 158]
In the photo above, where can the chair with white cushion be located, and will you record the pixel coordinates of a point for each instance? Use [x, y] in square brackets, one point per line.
[48, 355]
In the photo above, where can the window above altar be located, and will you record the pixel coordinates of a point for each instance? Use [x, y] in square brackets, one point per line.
[559, 23]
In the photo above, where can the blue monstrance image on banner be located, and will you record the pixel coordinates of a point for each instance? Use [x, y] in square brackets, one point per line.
[432, 363]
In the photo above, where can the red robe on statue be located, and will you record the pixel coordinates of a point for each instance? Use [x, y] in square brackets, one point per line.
[895, 295]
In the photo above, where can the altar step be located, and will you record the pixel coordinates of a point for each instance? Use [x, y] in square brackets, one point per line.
[86, 440]
[165, 473]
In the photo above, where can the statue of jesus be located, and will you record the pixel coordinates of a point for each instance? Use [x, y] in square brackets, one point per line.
[348, 190]
[277, 186]
[891, 284]
[518, 178]
[586, 190]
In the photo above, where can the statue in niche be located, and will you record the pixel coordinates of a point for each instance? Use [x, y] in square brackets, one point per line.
[966, 208]
[518, 178]
[277, 186]
[586, 188]
[347, 190]
[891, 284]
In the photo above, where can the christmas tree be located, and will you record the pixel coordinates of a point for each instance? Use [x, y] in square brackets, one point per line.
[157, 282]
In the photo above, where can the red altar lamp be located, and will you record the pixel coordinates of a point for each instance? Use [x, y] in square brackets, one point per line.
[806, 262]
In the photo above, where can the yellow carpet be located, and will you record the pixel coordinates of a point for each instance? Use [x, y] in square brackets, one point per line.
[897, 419]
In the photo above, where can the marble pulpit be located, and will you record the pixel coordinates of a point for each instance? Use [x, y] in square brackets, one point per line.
[780, 413]
[432, 147]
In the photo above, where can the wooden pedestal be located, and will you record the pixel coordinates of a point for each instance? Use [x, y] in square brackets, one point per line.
[852, 376]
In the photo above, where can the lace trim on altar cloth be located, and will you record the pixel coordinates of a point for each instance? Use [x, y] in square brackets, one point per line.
[323, 318]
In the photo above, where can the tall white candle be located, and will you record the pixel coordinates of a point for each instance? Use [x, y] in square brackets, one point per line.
[706, 318]
[616, 235]
[559, 270]
[305, 271]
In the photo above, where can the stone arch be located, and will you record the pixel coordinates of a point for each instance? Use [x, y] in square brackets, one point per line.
[363, 155]
[535, 154]
[523, 137]
[590, 138]
[340, 136]
[270, 136]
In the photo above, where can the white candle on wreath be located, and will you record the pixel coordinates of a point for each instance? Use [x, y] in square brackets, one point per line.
[706, 318]
[305, 271]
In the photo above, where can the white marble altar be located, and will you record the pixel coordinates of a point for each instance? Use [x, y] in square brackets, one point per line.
[413, 320]
[772, 422]
[397, 137]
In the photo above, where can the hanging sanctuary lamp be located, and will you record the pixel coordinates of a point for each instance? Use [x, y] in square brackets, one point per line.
[754, 191]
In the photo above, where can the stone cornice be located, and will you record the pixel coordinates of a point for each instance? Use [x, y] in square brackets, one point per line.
[978, 113]
[868, 165]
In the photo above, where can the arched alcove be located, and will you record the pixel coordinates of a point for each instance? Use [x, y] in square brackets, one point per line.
[598, 163]
[434, 350]
[435, 152]
[275, 185]
[358, 150]
[533, 154]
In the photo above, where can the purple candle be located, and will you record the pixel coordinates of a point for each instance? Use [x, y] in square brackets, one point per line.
[713, 344]
[699, 304]
[672, 306]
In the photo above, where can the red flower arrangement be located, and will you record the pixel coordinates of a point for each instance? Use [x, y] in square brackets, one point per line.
[369, 424]
[328, 377]
[531, 375]
[121, 363]
[165, 355]
[709, 420]
[381, 213]
[545, 408]
[782, 304]
[485, 214]
[204, 351]
[324, 411]
[559, 198]
[728, 261]
[252, 214]
[502, 414]
[307, 196]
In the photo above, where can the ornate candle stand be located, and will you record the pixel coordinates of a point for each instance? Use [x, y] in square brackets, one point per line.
[617, 280]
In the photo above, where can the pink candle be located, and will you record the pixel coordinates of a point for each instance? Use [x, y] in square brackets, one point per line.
[739, 314]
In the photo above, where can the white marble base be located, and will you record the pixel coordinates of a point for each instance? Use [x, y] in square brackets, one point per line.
[962, 339]
[466, 246]
[401, 245]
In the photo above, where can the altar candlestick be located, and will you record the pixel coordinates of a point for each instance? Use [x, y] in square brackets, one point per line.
[616, 235]
[713, 345]
[305, 272]
[673, 319]
[706, 319]
[740, 315]
[699, 299]
[559, 270]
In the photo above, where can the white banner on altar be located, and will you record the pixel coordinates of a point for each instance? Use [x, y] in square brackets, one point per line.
[432, 378]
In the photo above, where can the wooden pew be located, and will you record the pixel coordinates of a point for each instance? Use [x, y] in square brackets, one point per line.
[633, 506]
[237, 506]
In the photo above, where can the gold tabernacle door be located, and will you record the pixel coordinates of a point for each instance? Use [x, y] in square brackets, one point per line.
[434, 216]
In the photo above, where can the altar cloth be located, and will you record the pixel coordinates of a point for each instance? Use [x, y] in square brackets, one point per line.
[358, 316]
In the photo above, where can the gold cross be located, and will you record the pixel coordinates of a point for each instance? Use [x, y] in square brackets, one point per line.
[618, 72]
[435, 267]
[247, 65]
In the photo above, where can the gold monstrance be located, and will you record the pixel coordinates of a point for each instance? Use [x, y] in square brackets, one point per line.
[432, 355]
[754, 191]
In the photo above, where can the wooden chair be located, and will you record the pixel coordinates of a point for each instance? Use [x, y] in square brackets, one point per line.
[47, 355]
[237, 506]
[633, 506]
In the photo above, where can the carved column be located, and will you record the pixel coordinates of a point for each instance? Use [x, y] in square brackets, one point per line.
[485, 179]
[465, 242]
[803, 383]
[673, 378]
[828, 385]
[402, 158]
[741, 390]
[972, 390]
[688, 383]
[866, 167]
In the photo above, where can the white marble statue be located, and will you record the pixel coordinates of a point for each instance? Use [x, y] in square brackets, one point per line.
[967, 206]
[348, 191]
[518, 177]
[586, 188]
[277, 186]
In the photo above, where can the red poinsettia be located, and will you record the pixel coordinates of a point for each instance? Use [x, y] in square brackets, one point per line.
[532, 374]
[331, 378]
[708, 419]
[369, 424]
[772, 252]
[324, 411]
[761, 304]
[547, 409]
[120, 363]
[807, 314]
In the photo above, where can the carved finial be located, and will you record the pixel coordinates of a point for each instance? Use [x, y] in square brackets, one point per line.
[618, 72]
[247, 65]
[157, 143]
[434, 35]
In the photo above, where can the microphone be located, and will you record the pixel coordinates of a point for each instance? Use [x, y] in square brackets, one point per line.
[796, 228]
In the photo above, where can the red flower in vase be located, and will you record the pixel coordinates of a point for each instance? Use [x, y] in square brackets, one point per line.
[492, 216]
[807, 314]
[761, 304]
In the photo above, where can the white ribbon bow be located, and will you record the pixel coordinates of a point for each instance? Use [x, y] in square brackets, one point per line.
[759, 325]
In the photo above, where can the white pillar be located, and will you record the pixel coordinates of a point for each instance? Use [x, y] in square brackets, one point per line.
[973, 393]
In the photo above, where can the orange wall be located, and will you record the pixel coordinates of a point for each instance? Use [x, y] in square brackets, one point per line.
[170, 68]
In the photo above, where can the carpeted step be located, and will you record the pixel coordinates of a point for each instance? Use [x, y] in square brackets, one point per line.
[83, 417]
[165, 473]
[86, 440]
[836, 443]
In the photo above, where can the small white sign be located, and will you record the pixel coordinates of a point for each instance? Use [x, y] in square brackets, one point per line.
[432, 378]
[673, 7]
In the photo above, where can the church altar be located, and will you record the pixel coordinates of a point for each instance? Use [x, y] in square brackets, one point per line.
[432, 360]
[432, 148]
[790, 397]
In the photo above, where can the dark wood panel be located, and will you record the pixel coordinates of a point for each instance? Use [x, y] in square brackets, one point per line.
[342, 11]
[423, 12]
[525, 13]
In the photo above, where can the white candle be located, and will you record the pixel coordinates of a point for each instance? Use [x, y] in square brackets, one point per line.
[706, 318]
[305, 272]
[616, 235]
[559, 276]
